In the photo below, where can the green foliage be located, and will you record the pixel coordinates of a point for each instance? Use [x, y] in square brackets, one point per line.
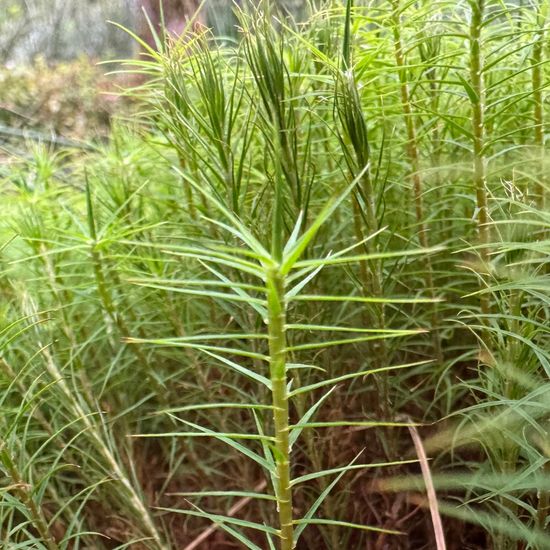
[307, 241]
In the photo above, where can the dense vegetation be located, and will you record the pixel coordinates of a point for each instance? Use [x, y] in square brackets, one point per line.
[315, 256]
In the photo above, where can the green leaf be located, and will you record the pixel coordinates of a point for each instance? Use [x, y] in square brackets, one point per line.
[344, 377]
[362, 299]
[295, 431]
[231, 442]
[242, 370]
[201, 406]
[344, 341]
[178, 343]
[317, 521]
[292, 256]
[244, 494]
[331, 471]
[240, 290]
[352, 423]
[222, 521]
[472, 95]
[365, 257]
[314, 507]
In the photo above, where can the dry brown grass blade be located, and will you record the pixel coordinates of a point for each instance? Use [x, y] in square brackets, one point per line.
[432, 498]
[231, 512]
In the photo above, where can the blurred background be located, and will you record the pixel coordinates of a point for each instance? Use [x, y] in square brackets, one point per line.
[63, 29]
[67, 29]
[51, 86]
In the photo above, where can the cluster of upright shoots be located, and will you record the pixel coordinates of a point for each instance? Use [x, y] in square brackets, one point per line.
[245, 124]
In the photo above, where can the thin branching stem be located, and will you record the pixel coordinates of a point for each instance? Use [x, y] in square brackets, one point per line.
[25, 493]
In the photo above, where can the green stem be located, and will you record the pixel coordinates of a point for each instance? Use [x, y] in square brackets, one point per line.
[538, 111]
[414, 159]
[477, 98]
[543, 504]
[134, 501]
[278, 374]
[24, 493]
[356, 144]
[355, 133]
[105, 295]
[191, 209]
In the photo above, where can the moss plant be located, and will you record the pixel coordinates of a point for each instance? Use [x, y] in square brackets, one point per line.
[226, 306]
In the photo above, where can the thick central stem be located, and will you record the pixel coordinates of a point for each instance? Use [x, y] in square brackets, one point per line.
[277, 366]
[480, 162]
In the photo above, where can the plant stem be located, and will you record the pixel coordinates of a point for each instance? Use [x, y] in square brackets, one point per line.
[135, 501]
[191, 209]
[543, 504]
[24, 492]
[538, 112]
[277, 366]
[414, 159]
[355, 133]
[477, 99]
[106, 297]
[95, 434]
